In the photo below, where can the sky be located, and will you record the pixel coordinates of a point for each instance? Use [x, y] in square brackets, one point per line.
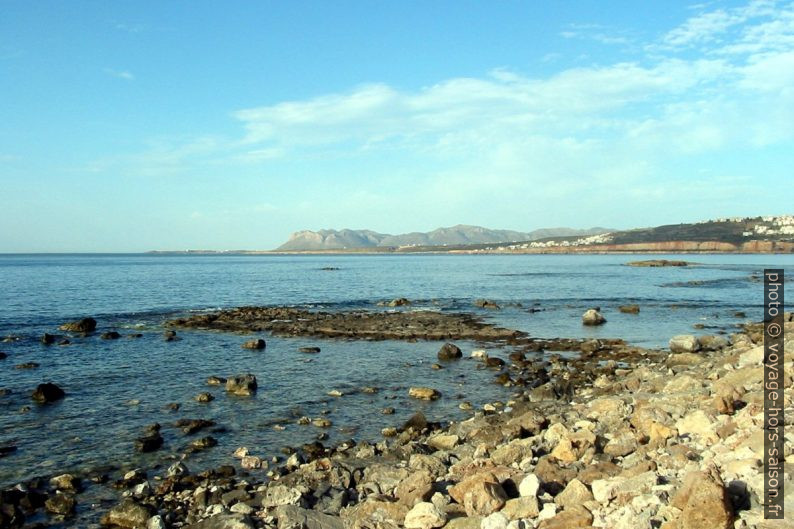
[140, 125]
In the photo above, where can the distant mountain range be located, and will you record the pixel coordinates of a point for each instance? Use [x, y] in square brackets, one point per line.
[768, 234]
[454, 236]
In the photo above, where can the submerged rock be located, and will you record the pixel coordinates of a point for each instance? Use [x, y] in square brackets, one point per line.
[310, 350]
[423, 393]
[243, 385]
[257, 344]
[27, 365]
[398, 302]
[486, 304]
[629, 309]
[110, 335]
[47, 392]
[654, 263]
[203, 443]
[191, 426]
[204, 397]
[60, 503]
[149, 443]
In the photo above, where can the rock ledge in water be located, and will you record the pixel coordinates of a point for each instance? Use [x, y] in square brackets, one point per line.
[361, 325]
[86, 325]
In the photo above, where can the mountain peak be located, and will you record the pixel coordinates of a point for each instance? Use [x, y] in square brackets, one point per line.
[345, 239]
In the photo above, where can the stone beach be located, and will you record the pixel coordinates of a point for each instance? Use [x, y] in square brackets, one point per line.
[607, 435]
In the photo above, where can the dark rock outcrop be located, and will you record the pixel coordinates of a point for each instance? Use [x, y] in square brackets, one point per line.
[449, 351]
[362, 325]
[85, 326]
[47, 392]
[257, 344]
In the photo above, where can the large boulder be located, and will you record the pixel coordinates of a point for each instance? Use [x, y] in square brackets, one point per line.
[704, 502]
[416, 488]
[425, 515]
[129, 514]
[593, 317]
[47, 392]
[710, 342]
[684, 343]
[224, 521]
[85, 326]
[243, 385]
[575, 493]
[480, 494]
[521, 508]
[449, 351]
[294, 516]
[374, 513]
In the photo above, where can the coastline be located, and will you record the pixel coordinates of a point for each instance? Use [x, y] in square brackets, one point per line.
[650, 248]
[613, 437]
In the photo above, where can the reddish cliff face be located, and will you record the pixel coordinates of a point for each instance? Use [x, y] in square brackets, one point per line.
[672, 246]
[768, 247]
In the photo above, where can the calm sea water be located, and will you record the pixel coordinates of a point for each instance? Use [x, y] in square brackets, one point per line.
[97, 424]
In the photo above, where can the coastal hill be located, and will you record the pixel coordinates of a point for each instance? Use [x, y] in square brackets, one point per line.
[769, 234]
[456, 235]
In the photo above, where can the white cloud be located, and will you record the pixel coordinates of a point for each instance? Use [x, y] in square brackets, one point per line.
[131, 28]
[598, 33]
[121, 74]
[712, 26]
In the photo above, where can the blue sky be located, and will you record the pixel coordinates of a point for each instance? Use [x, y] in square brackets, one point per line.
[129, 126]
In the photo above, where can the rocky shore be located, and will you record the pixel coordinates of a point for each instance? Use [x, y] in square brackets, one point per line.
[609, 436]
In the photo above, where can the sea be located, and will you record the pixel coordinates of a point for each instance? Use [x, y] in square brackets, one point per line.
[115, 388]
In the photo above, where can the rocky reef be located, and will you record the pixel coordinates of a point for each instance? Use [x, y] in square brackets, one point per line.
[361, 325]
